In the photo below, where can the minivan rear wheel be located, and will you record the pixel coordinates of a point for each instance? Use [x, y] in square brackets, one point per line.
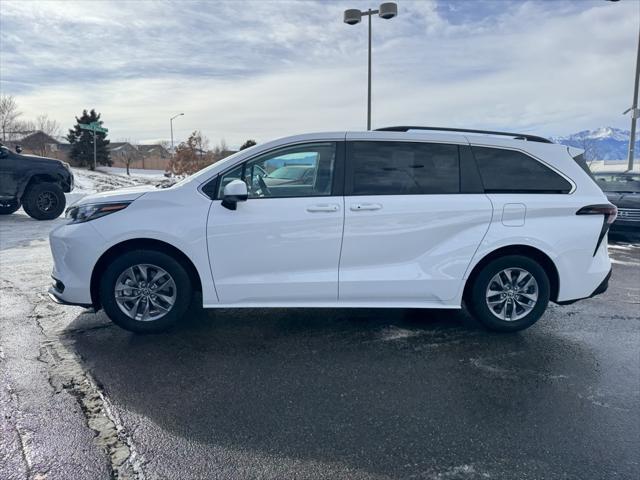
[145, 291]
[510, 293]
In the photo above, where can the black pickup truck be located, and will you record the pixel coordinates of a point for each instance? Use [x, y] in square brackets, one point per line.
[38, 184]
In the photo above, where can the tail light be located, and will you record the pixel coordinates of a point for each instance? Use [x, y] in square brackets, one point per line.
[609, 211]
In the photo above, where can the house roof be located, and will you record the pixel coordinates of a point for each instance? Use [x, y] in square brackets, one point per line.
[38, 136]
[152, 149]
[117, 146]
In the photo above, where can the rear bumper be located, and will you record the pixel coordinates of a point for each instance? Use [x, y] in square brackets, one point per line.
[603, 287]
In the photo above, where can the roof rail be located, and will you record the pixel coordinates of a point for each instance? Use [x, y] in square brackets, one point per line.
[517, 136]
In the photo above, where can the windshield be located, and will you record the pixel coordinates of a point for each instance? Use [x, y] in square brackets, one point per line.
[618, 182]
[288, 173]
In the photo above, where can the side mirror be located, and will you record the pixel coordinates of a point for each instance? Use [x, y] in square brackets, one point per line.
[234, 192]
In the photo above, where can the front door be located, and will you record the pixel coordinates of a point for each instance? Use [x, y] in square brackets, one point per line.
[282, 245]
[411, 229]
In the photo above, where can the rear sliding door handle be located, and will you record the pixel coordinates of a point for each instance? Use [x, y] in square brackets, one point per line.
[323, 208]
[355, 207]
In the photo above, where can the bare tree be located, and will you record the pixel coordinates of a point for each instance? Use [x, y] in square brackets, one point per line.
[590, 147]
[48, 126]
[129, 156]
[220, 151]
[9, 115]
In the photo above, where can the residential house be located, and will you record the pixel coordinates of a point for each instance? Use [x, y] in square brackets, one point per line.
[123, 154]
[36, 143]
[154, 157]
[150, 157]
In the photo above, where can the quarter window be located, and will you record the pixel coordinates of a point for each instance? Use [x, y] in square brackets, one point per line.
[403, 168]
[300, 171]
[509, 171]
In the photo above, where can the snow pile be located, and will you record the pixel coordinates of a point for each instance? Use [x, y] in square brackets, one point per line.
[109, 178]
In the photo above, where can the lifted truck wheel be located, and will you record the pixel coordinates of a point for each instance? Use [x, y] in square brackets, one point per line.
[7, 207]
[44, 201]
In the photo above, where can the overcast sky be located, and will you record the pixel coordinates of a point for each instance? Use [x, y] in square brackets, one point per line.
[264, 69]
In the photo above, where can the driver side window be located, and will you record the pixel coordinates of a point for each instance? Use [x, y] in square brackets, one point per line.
[298, 171]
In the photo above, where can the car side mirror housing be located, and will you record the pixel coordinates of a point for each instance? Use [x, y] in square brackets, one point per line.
[235, 191]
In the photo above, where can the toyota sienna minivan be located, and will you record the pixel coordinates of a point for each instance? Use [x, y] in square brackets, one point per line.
[416, 217]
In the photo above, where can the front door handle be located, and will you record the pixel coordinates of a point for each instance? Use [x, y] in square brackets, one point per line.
[323, 208]
[356, 207]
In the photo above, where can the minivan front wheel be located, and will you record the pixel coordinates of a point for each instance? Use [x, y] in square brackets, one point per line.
[145, 291]
[510, 293]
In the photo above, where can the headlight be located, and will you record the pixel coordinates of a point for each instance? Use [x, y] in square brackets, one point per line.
[91, 211]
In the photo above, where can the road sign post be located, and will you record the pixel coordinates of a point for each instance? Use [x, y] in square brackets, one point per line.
[94, 127]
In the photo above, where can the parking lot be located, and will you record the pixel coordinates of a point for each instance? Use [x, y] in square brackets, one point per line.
[314, 393]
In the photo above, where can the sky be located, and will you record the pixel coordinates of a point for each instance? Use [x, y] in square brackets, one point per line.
[266, 69]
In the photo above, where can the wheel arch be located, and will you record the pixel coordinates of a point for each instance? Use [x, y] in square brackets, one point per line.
[40, 178]
[141, 244]
[525, 250]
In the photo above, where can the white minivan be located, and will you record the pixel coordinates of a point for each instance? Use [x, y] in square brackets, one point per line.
[416, 217]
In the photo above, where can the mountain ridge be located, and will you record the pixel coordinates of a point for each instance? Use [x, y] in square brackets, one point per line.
[602, 143]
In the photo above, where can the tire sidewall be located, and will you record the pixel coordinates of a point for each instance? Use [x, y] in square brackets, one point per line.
[9, 207]
[120, 264]
[478, 293]
[30, 201]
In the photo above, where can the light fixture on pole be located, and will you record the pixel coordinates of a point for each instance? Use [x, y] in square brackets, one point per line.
[171, 123]
[353, 16]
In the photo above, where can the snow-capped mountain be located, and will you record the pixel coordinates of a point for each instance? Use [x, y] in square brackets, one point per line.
[604, 143]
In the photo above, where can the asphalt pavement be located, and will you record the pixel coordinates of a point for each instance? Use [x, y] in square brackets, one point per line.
[315, 393]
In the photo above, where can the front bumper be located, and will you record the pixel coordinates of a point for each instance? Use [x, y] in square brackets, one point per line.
[54, 295]
[75, 249]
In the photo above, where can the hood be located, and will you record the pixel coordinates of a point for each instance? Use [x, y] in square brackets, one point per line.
[128, 194]
[38, 159]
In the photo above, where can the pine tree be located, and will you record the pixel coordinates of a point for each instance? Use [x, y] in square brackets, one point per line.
[82, 142]
[248, 143]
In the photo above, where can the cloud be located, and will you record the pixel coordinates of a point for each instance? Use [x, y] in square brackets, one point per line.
[270, 68]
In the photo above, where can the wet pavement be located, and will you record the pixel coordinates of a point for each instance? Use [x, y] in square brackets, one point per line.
[315, 393]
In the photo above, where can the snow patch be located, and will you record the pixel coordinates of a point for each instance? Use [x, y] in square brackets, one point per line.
[459, 472]
[396, 333]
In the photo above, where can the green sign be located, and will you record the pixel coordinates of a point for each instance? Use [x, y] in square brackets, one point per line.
[93, 126]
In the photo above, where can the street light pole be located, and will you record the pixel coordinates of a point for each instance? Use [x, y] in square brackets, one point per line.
[353, 16]
[171, 123]
[95, 155]
[635, 112]
[369, 77]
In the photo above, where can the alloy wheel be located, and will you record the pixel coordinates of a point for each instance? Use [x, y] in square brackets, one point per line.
[512, 294]
[145, 292]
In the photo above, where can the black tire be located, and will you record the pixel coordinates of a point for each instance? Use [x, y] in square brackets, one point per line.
[478, 301]
[183, 290]
[8, 207]
[44, 201]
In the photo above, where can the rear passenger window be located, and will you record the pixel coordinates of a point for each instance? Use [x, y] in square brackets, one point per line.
[402, 168]
[509, 171]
